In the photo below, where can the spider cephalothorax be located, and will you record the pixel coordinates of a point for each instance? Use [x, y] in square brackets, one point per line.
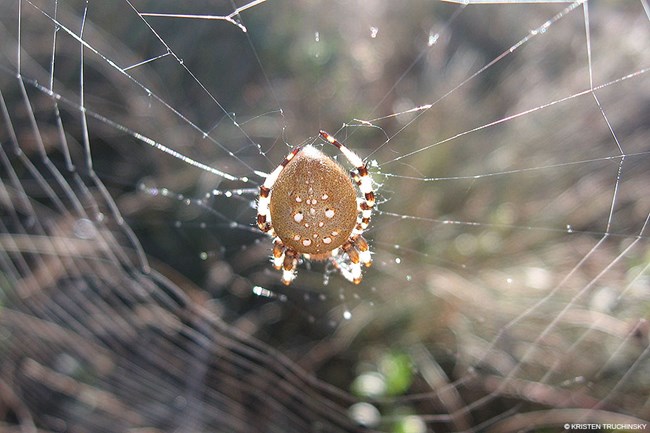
[309, 205]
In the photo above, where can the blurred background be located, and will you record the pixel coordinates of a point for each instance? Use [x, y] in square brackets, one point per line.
[509, 148]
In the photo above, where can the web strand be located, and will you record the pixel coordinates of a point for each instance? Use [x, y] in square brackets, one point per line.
[508, 150]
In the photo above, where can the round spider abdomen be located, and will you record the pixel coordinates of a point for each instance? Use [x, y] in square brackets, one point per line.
[313, 204]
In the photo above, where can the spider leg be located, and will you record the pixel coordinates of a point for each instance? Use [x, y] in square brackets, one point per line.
[363, 219]
[289, 266]
[278, 254]
[353, 271]
[364, 251]
[358, 253]
[285, 259]
[362, 178]
[265, 195]
[350, 272]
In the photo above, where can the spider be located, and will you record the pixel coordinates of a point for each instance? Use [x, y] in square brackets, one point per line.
[309, 206]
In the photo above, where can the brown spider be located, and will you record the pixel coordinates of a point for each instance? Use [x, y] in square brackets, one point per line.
[310, 208]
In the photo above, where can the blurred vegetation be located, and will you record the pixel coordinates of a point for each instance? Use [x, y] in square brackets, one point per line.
[481, 217]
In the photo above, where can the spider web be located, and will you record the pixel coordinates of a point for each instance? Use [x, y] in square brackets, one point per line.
[508, 144]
